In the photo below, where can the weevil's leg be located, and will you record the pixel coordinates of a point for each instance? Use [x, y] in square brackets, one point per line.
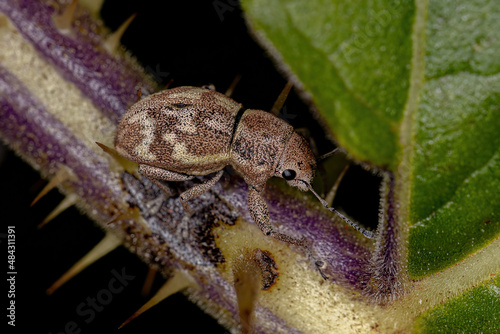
[162, 186]
[163, 174]
[156, 174]
[260, 215]
[319, 264]
[199, 189]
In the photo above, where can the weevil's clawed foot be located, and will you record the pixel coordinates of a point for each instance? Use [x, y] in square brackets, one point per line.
[303, 242]
[187, 208]
[320, 265]
[168, 192]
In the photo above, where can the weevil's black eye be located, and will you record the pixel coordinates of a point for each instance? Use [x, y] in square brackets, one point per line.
[289, 174]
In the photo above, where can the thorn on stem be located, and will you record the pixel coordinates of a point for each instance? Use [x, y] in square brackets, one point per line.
[104, 247]
[64, 21]
[113, 41]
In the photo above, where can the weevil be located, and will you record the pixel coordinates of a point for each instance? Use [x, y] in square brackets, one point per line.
[183, 132]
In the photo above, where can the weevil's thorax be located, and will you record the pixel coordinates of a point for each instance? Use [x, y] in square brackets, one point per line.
[184, 129]
[299, 158]
[258, 144]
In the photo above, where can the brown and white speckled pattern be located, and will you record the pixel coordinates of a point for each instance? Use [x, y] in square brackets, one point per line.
[192, 130]
[258, 144]
[184, 129]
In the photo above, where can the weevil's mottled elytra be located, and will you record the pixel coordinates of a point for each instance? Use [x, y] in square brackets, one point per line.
[186, 131]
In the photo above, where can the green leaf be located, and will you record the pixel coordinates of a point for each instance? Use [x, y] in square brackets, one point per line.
[480, 305]
[455, 197]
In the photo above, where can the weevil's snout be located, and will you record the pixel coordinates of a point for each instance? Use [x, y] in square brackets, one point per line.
[297, 164]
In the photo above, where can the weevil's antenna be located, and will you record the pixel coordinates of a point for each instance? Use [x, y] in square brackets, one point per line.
[366, 233]
[329, 154]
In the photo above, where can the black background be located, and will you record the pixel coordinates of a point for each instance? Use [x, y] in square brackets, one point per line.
[188, 42]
